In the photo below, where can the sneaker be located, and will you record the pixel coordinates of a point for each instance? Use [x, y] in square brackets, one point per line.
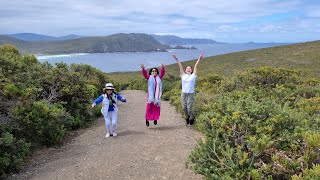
[107, 135]
[188, 120]
[114, 134]
[155, 122]
[191, 121]
[147, 122]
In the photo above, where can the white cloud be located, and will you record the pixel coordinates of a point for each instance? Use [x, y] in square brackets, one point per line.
[271, 28]
[201, 18]
[227, 28]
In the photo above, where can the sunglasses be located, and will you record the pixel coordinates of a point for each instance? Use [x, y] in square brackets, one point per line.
[153, 71]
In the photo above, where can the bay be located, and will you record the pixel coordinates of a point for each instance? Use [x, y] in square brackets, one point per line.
[130, 61]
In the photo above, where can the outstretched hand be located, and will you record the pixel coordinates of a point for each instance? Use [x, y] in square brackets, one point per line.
[162, 66]
[174, 56]
[201, 55]
[142, 66]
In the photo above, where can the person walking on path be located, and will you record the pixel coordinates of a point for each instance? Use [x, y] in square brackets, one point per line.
[154, 93]
[109, 108]
[188, 78]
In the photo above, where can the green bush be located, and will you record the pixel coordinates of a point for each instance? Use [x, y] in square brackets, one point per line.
[259, 124]
[13, 151]
[40, 102]
[41, 121]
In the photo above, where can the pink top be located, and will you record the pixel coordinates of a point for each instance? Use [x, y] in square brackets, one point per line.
[146, 75]
[153, 111]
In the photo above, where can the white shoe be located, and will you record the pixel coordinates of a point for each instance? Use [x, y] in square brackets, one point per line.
[114, 134]
[107, 135]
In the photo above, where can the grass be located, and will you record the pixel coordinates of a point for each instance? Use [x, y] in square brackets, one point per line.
[302, 56]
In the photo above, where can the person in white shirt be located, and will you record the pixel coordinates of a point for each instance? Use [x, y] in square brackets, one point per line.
[188, 78]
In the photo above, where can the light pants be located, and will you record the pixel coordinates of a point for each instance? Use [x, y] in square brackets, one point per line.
[111, 115]
[187, 100]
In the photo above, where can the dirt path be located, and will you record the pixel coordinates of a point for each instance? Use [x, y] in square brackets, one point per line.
[138, 152]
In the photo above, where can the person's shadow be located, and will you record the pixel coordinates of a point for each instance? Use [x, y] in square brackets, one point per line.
[167, 128]
[130, 132]
[152, 127]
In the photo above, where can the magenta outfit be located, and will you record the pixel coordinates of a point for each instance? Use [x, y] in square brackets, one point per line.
[152, 111]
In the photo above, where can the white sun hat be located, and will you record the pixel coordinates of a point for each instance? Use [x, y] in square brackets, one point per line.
[108, 86]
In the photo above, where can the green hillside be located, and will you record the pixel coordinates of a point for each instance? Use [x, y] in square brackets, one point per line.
[302, 56]
[10, 40]
[133, 42]
[261, 123]
[258, 115]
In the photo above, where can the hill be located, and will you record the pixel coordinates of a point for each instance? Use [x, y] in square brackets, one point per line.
[40, 37]
[175, 40]
[302, 56]
[10, 40]
[133, 42]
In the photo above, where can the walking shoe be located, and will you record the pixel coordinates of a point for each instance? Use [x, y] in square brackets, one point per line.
[114, 134]
[187, 120]
[191, 121]
[155, 122]
[107, 135]
[147, 122]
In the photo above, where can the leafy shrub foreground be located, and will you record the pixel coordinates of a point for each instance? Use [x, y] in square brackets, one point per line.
[259, 124]
[39, 103]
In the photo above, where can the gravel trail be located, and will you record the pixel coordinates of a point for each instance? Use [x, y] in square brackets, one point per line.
[138, 152]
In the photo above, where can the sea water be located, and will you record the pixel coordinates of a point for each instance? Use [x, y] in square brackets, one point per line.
[130, 61]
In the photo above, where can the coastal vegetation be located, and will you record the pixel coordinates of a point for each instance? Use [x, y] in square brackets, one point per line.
[40, 103]
[175, 40]
[39, 44]
[134, 42]
[258, 110]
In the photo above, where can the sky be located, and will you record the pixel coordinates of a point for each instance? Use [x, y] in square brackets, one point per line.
[233, 21]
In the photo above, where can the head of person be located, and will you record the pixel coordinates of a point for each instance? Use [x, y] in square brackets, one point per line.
[153, 72]
[189, 70]
[108, 89]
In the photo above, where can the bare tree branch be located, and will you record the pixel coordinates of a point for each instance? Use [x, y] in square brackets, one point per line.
[50, 95]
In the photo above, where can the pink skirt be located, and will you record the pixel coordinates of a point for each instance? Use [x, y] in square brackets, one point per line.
[152, 112]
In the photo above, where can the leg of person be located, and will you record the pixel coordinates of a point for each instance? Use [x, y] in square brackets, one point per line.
[190, 102]
[184, 106]
[114, 122]
[148, 111]
[108, 126]
[155, 114]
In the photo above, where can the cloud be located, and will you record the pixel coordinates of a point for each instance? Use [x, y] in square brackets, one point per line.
[227, 28]
[313, 12]
[271, 28]
[201, 18]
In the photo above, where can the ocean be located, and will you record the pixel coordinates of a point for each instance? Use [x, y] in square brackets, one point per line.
[130, 61]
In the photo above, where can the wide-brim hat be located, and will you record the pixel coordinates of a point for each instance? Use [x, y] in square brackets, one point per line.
[108, 86]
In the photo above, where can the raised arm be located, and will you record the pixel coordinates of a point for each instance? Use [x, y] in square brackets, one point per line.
[195, 69]
[179, 64]
[97, 101]
[144, 72]
[162, 71]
